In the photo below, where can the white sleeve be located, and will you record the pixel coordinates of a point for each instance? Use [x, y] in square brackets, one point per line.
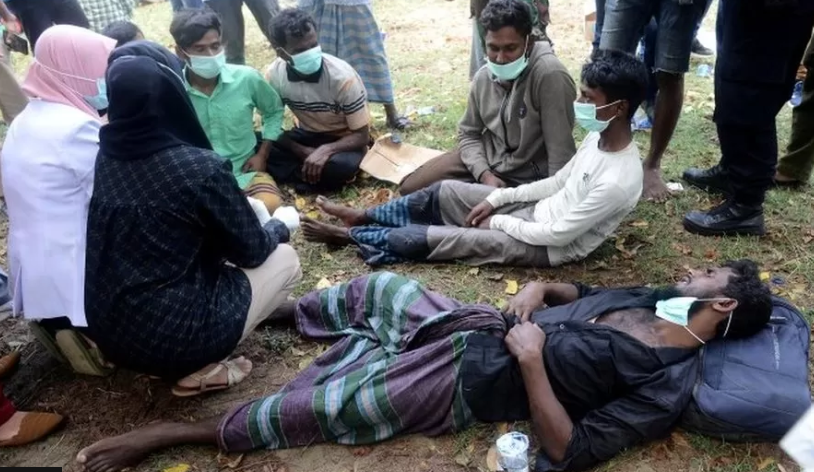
[533, 192]
[600, 203]
[81, 153]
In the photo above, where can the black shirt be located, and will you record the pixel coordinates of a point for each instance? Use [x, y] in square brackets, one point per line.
[618, 391]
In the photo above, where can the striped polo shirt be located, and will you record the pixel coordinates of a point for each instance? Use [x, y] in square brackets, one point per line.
[334, 103]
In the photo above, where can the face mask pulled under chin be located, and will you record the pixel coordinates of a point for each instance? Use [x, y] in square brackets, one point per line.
[512, 70]
[677, 310]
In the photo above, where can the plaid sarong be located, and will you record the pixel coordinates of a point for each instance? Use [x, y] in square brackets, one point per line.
[349, 32]
[392, 370]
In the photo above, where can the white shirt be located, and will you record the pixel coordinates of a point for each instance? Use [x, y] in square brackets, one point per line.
[47, 167]
[578, 207]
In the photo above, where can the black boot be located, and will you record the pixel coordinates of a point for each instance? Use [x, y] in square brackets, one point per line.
[712, 180]
[699, 49]
[727, 219]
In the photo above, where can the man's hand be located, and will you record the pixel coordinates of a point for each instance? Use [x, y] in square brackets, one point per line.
[485, 223]
[256, 163]
[525, 341]
[314, 163]
[481, 211]
[531, 298]
[490, 179]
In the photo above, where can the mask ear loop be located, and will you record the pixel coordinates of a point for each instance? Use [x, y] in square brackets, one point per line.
[694, 335]
[728, 324]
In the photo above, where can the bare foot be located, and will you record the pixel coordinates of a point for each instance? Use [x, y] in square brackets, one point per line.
[120, 452]
[193, 382]
[654, 187]
[318, 232]
[349, 216]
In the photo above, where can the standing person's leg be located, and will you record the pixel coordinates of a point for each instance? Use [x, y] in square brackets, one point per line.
[750, 91]
[447, 166]
[264, 11]
[697, 47]
[796, 166]
[676, 23]
[649, 41]
[477, 58]
[600, 23]
[231, 17]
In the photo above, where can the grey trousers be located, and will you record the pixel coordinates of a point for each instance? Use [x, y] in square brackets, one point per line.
[479, 246]
[234, 28]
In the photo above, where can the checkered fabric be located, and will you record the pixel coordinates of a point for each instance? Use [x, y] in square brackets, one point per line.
[101, 13]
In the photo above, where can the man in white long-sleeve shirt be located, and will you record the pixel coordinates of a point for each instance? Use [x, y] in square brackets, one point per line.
[549, 222]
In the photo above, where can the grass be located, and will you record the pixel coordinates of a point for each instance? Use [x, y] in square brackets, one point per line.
[428, 48]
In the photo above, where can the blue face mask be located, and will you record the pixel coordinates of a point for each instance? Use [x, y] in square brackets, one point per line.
[676, 310]
[307, 62]
[207, 67]
[99, 101]
[585, 114]
[512, 70]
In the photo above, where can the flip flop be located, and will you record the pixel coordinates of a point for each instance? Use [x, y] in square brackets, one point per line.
[233, 377]
[8, 363]
[33, 427]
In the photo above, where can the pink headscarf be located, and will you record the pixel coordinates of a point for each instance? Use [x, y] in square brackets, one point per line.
[67, 62]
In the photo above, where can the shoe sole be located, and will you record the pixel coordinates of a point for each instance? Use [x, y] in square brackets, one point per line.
[701, 231]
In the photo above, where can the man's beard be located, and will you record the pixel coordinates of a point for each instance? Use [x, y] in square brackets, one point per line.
[666, 292]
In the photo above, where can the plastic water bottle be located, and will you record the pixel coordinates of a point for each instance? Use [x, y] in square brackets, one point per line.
[704, 70]
[512, 450]
[797, 95]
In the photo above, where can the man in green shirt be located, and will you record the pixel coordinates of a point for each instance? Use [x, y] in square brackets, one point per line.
[225, 97]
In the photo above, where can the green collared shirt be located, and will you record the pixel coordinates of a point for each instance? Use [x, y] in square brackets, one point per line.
[227, 115]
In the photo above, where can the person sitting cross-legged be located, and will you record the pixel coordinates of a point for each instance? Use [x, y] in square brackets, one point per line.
[225, 97]
[518, 123]
[596, 370]
[549, 222]
[328, 98]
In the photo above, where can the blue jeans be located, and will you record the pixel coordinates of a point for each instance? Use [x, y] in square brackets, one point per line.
[179, 4]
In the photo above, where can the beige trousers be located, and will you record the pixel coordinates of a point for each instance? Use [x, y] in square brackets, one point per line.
[272, 282]
[12, 99]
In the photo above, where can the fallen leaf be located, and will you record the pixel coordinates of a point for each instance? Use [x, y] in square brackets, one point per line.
[683, 249]
[474, 271]
[324, 283]
[491, 460]
[300, 203]
[711, 254]
[680, 440]
[765, 276]
[225, 462]
[765, 463]
[639, 224]
[462, 459]
[327, 256]
[304, 362]
[178, 468]
[500, 303]
[511, 287]
[495, 277]
[502, 428]
[313, 214]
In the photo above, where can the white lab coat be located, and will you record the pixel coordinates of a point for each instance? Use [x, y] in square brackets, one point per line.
[47, 169]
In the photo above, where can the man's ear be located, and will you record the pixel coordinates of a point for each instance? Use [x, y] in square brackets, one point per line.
[725, 306]
[622, 109]
[181, 54]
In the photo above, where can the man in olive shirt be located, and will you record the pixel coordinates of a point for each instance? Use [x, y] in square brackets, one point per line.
[225, 97]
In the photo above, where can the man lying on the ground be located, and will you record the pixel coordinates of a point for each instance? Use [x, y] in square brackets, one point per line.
[595, 370]
[546, 223]
[328, 98]
[518, 124]
[225, 97]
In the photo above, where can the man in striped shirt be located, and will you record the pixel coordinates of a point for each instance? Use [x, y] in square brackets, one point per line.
[323, 151]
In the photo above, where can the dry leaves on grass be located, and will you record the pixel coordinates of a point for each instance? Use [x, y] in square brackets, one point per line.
[765, 463]
[177, 468]
[511, 287]
[683, 249]
[628, 252]
[225, 462]
[324, 283]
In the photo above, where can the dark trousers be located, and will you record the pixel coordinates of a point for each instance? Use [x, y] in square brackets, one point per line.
[286, 167]
[39, 15]
[234, 29]
[754, 77]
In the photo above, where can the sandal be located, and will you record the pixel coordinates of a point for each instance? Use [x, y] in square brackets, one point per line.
[33, 427]
[233, 377]
[8, 363]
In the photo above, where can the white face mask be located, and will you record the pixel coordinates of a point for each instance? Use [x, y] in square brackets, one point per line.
[677, 310]
[207, 67]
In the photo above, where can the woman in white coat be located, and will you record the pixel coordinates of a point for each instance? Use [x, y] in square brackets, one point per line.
[47, 169]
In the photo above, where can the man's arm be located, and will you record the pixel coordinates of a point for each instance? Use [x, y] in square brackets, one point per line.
[645, 414]
[531, 192]
[599, 205]
[556, 92]
[298, 149]
[11, 21]
[267, 101]
[470, 138]
[537, 295]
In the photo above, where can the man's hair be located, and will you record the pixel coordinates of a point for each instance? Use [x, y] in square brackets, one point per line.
[122, 31]
[502, 13]
[291, 23]
[190, 25]
[754, 300]
[619, 75]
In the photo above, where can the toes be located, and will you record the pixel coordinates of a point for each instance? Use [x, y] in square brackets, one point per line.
[82, 457]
